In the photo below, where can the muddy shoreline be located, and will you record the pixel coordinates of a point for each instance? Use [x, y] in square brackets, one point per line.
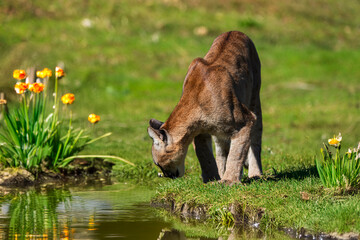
[79, 172]
[248, 218]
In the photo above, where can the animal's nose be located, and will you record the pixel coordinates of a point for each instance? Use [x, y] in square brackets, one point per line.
[174, 175]
[168, 173]
[171, 175]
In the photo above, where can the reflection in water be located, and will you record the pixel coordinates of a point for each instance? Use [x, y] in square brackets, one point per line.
[114, 212]
[171, 235]
[118, 212]
[233, 234]
[33, 215]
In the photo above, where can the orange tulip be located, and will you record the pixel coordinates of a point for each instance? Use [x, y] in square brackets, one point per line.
[21, 87]
[40, 74]
[59, 72]
[36, 87]
[93, 118]
[68, 98]
[19, 74]
[47, 72]
[44, 73]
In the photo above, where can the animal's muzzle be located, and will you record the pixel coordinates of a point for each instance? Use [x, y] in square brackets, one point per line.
[169, 174]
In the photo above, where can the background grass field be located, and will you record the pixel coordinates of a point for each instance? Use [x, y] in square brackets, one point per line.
[126, 61]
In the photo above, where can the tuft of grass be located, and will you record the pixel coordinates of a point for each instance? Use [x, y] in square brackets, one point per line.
[341, 172]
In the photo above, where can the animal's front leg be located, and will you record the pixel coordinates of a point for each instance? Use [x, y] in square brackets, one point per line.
[239, 149]
[203, 149]
[222, 146]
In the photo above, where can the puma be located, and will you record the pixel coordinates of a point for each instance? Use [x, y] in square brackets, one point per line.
[220, 100]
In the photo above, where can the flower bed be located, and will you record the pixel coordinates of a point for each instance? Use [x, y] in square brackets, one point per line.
[33, 136]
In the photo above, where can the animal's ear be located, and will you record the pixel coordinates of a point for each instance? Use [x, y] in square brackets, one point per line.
[158, 136]
[156, 124]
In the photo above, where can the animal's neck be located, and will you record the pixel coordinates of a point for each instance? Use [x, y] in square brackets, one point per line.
[182, 124]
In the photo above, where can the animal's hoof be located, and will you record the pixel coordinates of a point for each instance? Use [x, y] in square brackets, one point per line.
[256, 177]
[228, 182]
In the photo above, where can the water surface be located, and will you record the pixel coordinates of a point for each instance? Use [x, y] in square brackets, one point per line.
[118, 211]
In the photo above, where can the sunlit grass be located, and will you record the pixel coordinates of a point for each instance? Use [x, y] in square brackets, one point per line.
[130, 63]
[293, 201]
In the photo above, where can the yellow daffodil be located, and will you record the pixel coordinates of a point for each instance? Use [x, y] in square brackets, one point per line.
[40, 74]
[68, 98]
[19, 74]
[36, 87]
[47, 72]
[335, 141]
[93, 118]
[59, 72]
[44, 73]
[21, 87]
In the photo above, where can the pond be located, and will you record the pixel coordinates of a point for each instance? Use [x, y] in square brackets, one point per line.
[118, 211]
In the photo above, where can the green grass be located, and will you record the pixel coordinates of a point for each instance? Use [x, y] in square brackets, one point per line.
[129, 67]
[294, 201]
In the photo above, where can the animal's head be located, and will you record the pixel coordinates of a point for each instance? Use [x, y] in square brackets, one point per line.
[168, 156]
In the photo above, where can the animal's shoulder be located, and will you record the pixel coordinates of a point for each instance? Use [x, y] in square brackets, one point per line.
[227, 60]
[200, 71]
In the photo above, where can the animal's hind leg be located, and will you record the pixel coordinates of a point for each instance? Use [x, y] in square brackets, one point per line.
[254, 155]
[239, 148]
[203, 149]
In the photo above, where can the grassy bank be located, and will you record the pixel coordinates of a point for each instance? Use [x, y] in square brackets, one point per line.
[126, 60]
[294, 199]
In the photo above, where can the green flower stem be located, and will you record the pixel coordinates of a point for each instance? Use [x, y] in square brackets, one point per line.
[69, 131]
[98, 138]
[26, 111]
[55, 104]
[56, 88]
[70, 121]
[43, 105]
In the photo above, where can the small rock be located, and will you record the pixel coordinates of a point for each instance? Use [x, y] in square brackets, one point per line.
[16, 177]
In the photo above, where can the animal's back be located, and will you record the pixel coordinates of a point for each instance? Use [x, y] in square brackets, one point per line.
[231, 64]
[236, 52]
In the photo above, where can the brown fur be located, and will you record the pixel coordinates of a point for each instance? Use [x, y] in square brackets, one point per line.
[220, 99]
